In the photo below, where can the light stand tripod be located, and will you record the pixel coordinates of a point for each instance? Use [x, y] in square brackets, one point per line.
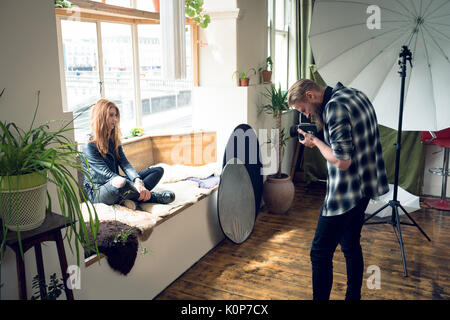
[405, 55]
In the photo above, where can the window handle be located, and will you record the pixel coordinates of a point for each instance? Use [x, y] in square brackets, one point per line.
[101, 87]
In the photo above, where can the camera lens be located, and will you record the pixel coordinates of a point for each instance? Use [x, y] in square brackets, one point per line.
[293, 130]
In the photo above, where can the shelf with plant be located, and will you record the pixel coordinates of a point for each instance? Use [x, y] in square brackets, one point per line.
[244, 77]
[29, 160]
[266, 70]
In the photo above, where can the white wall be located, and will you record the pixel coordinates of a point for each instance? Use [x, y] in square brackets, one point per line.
[251, 36]
[222, 109]
[28, 63]
[236, 41]
[260, 120]
[218, 49]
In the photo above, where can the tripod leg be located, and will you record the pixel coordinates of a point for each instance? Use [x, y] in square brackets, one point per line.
[410, 218]
[376, 212]
[400, 239]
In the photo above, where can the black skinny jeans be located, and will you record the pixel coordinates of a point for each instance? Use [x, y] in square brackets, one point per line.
[344, 229]
[109, 194]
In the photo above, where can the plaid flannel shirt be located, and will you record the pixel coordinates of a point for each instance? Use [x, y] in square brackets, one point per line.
[351, 130]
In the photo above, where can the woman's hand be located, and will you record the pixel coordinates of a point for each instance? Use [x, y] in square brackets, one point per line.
[144, 194]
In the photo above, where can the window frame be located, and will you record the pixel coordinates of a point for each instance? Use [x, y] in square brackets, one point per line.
[272, 31]
[103, 16]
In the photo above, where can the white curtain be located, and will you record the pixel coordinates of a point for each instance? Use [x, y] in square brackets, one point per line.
[172, 17]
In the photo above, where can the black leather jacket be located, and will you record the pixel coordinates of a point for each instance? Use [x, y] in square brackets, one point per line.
[103, 169]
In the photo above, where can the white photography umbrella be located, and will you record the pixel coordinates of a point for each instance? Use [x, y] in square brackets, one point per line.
[409, 201]
[358, 43]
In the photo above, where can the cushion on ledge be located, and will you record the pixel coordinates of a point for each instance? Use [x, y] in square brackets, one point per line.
[177, 172]
[207, 183]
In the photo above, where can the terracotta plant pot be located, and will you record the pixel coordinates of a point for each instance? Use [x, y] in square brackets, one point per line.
[244, 82]
[266, 76]
[278, 193]
[156, 5]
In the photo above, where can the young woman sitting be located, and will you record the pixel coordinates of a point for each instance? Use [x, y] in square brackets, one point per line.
[104, 154]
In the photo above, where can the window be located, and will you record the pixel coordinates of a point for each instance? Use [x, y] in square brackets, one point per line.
[81, 69]
[122, 3]
[146, 5]
[165, 104]
[118, 71]
[278, 39]
[122, 61]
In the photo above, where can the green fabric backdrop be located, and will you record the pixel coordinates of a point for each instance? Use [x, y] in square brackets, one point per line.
[412, 157]
[304, 52]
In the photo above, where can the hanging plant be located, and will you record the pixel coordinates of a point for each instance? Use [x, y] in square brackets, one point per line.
[194, 10]
[63, 4]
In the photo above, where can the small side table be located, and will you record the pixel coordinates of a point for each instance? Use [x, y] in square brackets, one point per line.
[50, 230]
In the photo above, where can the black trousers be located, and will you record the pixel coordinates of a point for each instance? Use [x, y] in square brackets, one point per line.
[109, 194]
[344, 229]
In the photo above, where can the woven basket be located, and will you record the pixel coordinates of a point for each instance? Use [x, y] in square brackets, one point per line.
[23, 201]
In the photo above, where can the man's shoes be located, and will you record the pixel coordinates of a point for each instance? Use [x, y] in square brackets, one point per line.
[163, 197]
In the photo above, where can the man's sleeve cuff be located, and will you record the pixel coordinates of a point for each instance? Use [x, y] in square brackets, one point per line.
[342, 151]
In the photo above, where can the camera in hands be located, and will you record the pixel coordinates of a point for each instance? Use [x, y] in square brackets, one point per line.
[307, 127]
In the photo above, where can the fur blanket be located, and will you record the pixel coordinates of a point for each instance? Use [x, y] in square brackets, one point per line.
[118, 242]
[146, 215]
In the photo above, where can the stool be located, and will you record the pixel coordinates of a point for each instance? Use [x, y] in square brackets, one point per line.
[442, 139]
[50, 230]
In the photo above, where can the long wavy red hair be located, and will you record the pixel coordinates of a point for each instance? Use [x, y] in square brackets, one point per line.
[101, 131]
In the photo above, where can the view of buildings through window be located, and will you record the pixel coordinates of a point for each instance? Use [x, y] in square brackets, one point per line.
[102, 60]
[99, 62]
[278, 40]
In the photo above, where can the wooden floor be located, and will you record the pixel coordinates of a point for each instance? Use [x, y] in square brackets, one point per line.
[274, 262]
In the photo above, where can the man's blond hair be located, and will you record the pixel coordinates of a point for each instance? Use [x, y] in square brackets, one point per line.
[297, 90]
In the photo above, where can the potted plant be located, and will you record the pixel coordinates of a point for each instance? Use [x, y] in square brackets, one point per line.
[194, 10]
[244, 77]
[278, 190]
[135, 132]
[266, 71]
[52, 291]
[31, 159]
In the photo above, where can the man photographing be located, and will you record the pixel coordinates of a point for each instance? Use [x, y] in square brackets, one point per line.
[356, 173]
